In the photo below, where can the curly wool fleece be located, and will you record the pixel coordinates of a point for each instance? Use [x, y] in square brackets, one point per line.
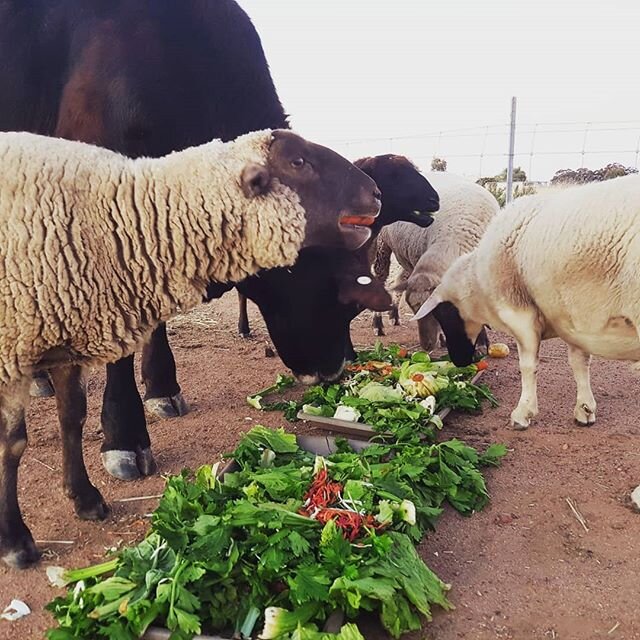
[96, 249]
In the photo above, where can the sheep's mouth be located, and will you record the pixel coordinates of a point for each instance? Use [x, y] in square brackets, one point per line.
[357, 221]
[355, 230]
[420, 217]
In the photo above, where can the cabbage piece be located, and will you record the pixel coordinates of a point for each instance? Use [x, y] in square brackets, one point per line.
[376, 392]
[350, 414]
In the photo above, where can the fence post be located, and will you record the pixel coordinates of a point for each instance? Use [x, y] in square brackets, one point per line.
[512, 144]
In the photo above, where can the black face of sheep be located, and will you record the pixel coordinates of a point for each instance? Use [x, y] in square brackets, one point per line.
[308, 309]
[343, 200]
[406, 194]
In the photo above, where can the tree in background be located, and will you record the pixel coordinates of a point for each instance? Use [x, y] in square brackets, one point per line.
[584, 175]
[518, 175]
[500, 193]
[438, 164]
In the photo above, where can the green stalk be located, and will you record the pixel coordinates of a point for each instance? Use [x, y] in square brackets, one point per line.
[249, 622]
[75, 575]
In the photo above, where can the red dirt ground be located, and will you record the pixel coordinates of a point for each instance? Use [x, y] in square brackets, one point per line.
[522, 569]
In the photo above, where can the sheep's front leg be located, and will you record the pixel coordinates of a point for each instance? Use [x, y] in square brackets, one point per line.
[162, 398]
[378, 324]
[523, 327]
[71, 399]
[17, 547]
[585, 410]
[126, 450]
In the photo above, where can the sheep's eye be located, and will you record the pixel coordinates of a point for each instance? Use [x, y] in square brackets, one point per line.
[297, 163]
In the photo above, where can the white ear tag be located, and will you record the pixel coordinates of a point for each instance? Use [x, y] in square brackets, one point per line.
[363, 280]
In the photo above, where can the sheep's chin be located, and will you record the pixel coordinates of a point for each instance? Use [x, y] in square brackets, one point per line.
[315, 378]
[308, 379]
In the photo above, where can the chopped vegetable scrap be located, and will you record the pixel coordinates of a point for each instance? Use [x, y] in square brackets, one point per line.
[498, 350]
[394, 391]
[318, 502]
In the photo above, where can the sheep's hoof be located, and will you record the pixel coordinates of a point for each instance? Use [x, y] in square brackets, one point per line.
[172, 407]
[520, 422]
[146, 462]
[41, 388]
[24, 555]
[245, 335]
[91, 505]
[121, 464]
[129, 465]
[584, 415]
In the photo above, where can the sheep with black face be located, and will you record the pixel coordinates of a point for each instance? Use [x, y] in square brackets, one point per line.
[98, 249]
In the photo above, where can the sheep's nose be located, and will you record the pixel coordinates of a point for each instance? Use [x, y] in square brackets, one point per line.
[377, 194]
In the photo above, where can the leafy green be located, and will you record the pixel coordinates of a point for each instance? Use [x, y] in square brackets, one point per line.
[282, 382]
[394, 392]
[225, 553]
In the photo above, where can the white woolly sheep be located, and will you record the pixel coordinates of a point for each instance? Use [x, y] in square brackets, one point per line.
[559, 264]
[425, 254]
[97, 249]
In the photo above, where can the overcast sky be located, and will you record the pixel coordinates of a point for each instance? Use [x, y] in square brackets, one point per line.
[348, 70]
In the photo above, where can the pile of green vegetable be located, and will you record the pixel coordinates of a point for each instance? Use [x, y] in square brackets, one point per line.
[395, 392]
[236, 554]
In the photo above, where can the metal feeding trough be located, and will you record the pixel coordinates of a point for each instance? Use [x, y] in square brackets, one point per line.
[360, 429]
[320, 445]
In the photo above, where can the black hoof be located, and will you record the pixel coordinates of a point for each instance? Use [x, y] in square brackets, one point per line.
[121, 464]
[23, 554]
[41, 388]
[91, 506]
[245, 335]
[172, 407]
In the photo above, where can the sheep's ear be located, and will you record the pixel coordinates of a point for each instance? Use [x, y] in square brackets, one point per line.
[429, 305]
[255, 180]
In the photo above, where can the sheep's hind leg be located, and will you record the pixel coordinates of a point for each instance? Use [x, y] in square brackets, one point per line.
[17, 547]
[126, 450]
[243, 317]
[41, 386]
[71, 399]
[162, 398]
[585, 410]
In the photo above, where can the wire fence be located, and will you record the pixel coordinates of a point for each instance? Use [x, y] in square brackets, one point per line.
[541, 148]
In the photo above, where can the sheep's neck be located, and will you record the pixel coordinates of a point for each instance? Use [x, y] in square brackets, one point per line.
[196, 226]
[178, 250]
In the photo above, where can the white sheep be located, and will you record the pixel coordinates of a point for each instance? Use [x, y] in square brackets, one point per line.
[96, 249]
[425, 254]
[562, 264]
